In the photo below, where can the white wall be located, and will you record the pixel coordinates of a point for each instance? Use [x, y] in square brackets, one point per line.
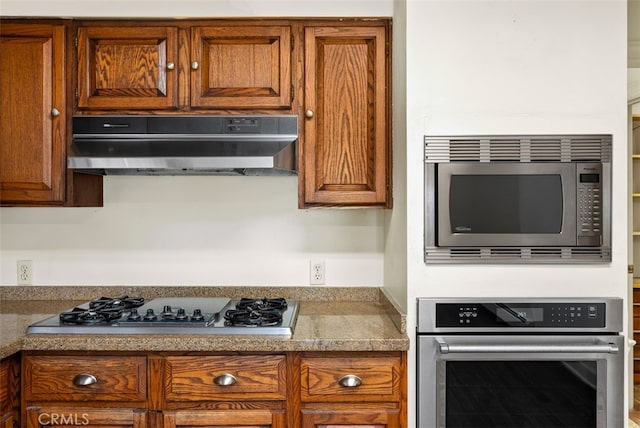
[395, 259]
[492, 67]
[193, 230]
[196, 231]
[194, 8]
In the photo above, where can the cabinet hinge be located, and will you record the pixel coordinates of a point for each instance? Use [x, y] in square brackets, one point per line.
[293, 41]
[293, 92]
[75, 41]
[77, 94]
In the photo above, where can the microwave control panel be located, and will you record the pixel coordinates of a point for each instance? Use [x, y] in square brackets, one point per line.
[589, 203]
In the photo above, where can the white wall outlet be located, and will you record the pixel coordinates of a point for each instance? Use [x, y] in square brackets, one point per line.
[25, 272]
[317, 272]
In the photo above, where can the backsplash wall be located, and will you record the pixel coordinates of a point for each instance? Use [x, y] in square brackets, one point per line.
[193, 231]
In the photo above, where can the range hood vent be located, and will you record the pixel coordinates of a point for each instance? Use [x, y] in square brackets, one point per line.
[184, 145]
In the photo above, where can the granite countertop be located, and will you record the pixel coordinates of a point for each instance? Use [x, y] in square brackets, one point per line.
[329, 319]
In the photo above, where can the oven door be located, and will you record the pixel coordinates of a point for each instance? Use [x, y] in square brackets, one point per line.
[482, 381]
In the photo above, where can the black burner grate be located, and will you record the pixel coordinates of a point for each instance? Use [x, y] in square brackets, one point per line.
[101, 311]
[256, 312]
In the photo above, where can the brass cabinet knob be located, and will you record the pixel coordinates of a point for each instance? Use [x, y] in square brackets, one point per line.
[309, 114]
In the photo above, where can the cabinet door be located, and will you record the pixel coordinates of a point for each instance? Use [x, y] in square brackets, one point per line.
[127, 67]
[9, 392]
[241, 67]
[33, 119]
[346, 143]
[7, 421]
[224, 419]
[42, 417]
[364, 418]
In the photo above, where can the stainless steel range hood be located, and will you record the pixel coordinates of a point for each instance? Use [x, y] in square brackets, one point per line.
[184, 145]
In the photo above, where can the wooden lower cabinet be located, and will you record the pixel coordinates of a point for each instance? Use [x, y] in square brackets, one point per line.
[351, 389]
[10, 392]
[366, 418]
[224, 419]
[214, 390]
[51, 416]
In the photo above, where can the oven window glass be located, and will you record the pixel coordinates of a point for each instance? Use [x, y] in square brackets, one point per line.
[508, 394]
[506, 204]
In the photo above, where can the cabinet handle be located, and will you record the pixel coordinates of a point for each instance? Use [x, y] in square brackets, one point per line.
[55, 112]
[195, 65]
[308, 114]
[171, 66]
[84, 379]
[226, 379]
[350, 381]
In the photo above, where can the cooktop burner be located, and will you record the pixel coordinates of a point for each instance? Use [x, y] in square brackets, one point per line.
[175, 315]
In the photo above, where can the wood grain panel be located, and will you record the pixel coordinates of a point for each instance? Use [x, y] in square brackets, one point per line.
[258, 377]
[381, 418]
[33, 139]
[41, 417]
[241, 67]
[127, 67]
[320, 379]
[223, 419]
[347, 151]
[51, 378]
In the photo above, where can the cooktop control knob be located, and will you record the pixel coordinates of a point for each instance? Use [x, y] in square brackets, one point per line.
[150, 315]
[134, 315]
[181, 315]
[197, 315]
[166, 309]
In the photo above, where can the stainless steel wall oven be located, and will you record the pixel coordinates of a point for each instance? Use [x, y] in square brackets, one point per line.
[506, 363]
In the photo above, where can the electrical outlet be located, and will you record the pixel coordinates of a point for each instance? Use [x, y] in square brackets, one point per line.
[25, 272]
[318, 272]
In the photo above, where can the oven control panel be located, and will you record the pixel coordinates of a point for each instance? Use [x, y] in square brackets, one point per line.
[526, 315]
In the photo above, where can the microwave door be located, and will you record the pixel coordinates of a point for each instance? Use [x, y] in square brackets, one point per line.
[506, 204]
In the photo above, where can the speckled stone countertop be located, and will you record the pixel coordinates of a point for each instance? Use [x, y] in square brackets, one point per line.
[329, 319]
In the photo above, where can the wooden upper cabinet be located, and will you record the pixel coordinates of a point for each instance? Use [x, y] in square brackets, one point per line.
[241, 67]
[159, 67]
[346, 152]
[33, 119]
[124, 67]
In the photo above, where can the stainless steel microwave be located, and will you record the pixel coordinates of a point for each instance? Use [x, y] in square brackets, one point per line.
[517, 199]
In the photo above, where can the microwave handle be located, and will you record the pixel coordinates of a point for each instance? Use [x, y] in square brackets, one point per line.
[445, 348]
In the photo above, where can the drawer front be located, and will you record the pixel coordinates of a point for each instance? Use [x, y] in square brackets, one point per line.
[343, 379]
[71, 378]
[67, 417]
[236, 377]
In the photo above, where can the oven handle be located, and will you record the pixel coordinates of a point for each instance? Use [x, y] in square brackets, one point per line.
[445, 348]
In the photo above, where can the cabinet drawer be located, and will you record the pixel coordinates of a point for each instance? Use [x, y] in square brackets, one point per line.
[74, 378]
[339, 379]
[235, 377]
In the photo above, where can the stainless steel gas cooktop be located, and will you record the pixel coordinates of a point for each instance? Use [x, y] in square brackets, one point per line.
[175, 315]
